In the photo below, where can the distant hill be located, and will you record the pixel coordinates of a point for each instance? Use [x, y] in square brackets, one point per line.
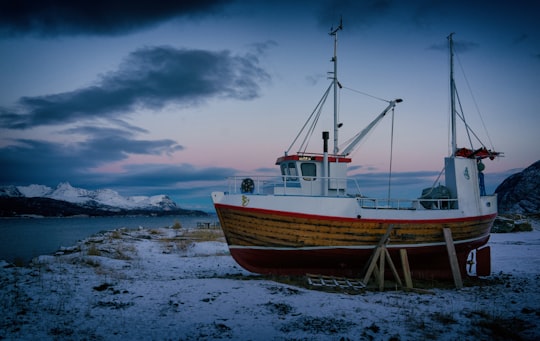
[65, 200]
[520, 192]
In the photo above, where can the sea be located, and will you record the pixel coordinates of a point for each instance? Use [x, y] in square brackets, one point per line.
[22, 239]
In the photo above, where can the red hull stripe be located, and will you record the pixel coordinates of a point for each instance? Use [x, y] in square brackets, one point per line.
[344, 219]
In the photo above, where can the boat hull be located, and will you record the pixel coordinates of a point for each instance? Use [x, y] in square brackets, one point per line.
[286, 243]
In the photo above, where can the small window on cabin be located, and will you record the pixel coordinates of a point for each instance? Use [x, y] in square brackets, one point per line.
[292, 172]
[309, 171]
[284, 169]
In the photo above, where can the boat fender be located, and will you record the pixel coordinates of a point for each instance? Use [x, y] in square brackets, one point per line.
[247, 186]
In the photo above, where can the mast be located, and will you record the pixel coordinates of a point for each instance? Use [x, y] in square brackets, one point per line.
[333, 32]
[452, 95]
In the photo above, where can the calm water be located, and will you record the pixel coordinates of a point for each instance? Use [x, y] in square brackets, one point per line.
[22, 239]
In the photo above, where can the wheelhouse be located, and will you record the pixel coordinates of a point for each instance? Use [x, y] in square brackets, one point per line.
[313, 174]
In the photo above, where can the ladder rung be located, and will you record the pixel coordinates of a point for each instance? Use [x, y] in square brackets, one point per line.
[334, 282]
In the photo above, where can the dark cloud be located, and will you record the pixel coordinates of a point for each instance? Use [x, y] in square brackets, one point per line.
[147, 78]
[520, 39]
[116, 148]
[262, 48]
[355, 13]
[44, 162]
[98, 17]
[37, 162]
[169, 175]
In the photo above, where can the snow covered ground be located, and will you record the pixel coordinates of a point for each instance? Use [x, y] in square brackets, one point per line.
[163, 284]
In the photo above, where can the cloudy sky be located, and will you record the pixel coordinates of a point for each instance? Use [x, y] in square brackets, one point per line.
[171, 97]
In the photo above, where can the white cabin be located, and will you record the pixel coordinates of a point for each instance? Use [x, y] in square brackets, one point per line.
[306, 174]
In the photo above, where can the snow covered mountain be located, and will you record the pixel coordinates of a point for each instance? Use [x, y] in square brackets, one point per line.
[68, 200]
[101, 197]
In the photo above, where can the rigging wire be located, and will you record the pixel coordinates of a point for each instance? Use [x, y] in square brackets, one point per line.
[347, 142]
[366, 94]
[462, 116]
[468, 129]
[475, 103]
[434, 183]
[307, 138]
[317, 110]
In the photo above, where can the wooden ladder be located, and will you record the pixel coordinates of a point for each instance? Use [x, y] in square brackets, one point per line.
[339, 283]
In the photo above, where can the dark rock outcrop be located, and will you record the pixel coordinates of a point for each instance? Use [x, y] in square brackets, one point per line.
[511, 223]
[520, 192]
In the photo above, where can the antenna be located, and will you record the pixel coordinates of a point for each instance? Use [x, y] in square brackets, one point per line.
[340, 27]
[452, 94]
[333, 32]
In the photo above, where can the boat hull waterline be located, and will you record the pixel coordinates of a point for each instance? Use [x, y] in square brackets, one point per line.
[285, 243]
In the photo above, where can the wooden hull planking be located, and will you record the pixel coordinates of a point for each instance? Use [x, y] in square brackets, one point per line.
[292, 244]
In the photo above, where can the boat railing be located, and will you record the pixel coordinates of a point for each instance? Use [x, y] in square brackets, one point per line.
[305, 185]
[293, 185]
[407, 204]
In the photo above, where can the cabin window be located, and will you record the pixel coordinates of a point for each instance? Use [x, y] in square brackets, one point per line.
[288, 170]
[292, 172]
[284, 170]
[309, 171]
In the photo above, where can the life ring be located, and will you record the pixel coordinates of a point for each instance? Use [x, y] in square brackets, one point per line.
[247, 186]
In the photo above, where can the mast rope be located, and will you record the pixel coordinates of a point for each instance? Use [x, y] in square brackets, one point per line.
[434, 183]
[475, 105]
[467, 127]
[461, 115]
[366, 94]
[317, 112]
[347, 142]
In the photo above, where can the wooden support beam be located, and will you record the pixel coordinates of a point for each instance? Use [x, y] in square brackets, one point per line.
[454, 264]
[381, 267]
[372, 265]
[406, 268]
[381, 255]
[386, 235]
[392, 267]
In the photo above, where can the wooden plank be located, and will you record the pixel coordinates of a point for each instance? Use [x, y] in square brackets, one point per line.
[379, 254]
[381, 267]
[453, 257]
[343, 232]
[392, 267]
[371, 266]
[406, 268]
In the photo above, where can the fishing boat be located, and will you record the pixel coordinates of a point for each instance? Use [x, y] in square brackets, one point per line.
[313, 219]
